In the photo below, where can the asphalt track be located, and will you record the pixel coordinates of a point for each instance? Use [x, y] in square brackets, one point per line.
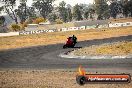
[46, 57]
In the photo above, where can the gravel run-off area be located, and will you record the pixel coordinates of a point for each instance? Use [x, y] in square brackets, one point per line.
[47, 79]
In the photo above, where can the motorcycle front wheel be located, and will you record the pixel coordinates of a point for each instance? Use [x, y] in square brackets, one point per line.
[64, 46]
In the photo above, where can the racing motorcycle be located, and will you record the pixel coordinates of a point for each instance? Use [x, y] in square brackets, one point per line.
[70, 43]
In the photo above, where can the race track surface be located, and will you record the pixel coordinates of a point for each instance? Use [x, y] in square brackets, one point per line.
[46, 57]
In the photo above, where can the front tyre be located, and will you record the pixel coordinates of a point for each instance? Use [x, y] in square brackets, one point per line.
[73, 46]
[64, 46]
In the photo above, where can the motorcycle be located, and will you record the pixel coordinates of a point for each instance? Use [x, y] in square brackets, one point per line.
[70, 43]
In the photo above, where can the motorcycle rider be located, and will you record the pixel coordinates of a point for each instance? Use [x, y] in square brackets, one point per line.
[74, 38]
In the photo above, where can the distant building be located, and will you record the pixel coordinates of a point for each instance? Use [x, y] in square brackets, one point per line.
[31, 27]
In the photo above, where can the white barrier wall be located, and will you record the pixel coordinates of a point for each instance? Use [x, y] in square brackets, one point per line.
[103, 26]
[73, 28]
[70, 29]
[9, 34]
[36, 31]
[66, 29]
[91, 27]
[120, 24]
[128, 24]
[82, 28]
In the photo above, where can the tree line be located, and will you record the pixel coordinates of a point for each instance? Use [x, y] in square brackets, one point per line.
[101, 9]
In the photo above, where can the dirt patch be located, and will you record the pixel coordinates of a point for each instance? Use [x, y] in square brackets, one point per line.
[47, 79]
[118, 48]
[60, 37]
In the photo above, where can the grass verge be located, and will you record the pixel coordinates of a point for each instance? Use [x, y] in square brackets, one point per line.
[119, 48]
[60, 37]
